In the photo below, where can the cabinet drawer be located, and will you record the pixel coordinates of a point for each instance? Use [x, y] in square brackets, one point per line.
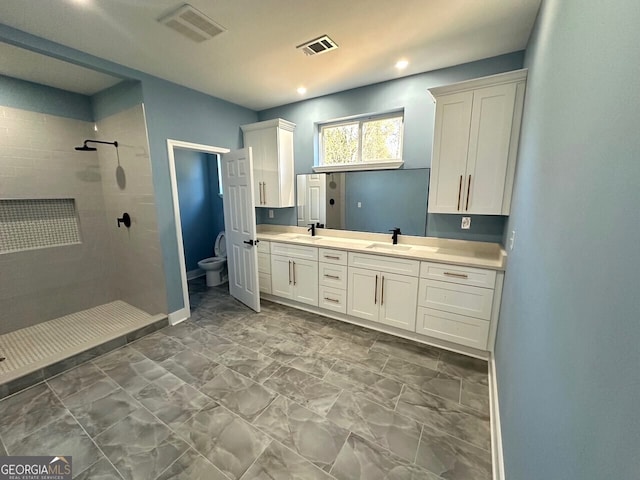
[334, 299]
[477, 277]
[264, 263]
[264, 246]
[264, 280]
[331, 275]
[332, 256]
[453, 328]
[384, 264]
[461, 299]
[294, 251]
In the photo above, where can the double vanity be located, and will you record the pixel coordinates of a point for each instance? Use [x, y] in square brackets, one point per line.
[437, 291]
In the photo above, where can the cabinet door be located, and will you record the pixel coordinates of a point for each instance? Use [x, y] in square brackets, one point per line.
[363, 297]
[281, 278]
[254, 139]
[450, 148]
[398, 301]
[305, 281]
[488, 156]
[270, 176]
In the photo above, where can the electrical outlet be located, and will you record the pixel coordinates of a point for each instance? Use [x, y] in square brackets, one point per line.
[359, 204]
[270, 213]
[512, 239]
[466, 223]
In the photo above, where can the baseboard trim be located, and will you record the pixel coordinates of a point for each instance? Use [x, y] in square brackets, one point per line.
[497, 459]
[197, 273]
[179, 316]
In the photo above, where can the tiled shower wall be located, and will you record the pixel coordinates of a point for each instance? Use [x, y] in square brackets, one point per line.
[38, 160]
[128, 187]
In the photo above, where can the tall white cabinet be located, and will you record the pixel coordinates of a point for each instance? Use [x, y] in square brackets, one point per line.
[477, 128]
[271, 143]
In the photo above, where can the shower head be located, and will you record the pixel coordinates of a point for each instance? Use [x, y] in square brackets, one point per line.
[85, 148]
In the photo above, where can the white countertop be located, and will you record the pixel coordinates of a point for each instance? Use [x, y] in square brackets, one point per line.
[458, 252]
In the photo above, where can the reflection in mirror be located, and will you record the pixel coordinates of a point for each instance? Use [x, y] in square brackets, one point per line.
[374, 201]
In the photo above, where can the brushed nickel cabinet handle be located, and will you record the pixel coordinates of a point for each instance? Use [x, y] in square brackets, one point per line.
[468, 193]
[289, 272]
[382, 295]
[335, 277]
[332, 257]
[457, 275]
[375, 292]
[264, 189]
[294, 272]
[459, 192]
[331, 300]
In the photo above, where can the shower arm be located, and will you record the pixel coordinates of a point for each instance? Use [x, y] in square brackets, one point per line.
[115, 143]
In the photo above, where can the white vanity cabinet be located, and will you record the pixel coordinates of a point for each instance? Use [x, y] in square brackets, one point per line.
[264, 266]
[332, 280]
[383, 289]
[294, 272]
[477, 128]
[273, 169]
[456, 303]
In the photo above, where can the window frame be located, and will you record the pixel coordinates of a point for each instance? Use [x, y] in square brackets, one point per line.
[360, 164]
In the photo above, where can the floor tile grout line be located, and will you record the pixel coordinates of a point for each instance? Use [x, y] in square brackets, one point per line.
[415, 457]
[87, 434]
[346, 440]
[395, 409]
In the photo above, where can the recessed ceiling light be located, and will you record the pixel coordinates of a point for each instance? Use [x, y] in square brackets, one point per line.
[302, 90]
[402, 64]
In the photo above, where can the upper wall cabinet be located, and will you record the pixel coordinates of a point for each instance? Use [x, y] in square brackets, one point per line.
[272, 147]
[475, 144]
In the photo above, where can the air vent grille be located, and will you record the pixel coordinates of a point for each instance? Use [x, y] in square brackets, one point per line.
[318, 45]
[192, 23]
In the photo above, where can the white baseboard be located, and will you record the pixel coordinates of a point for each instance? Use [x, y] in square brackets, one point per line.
[497, 459]
[198, 272]
[179, 316]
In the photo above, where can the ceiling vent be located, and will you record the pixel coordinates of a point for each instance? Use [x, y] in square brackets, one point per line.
[318, 45]
[192, 23]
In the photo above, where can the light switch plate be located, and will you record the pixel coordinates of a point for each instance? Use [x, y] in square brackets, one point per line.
[359, 204]
[466, 223]
[512, 239]
[270, 213]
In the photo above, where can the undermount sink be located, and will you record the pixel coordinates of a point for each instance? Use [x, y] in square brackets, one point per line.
[308, 238]
[388, 247]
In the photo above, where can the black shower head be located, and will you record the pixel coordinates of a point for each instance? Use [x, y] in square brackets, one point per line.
[85, 148]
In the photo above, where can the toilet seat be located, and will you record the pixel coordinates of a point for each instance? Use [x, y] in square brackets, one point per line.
[220, 247]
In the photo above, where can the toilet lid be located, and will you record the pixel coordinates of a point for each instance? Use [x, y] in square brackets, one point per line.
[220, 247]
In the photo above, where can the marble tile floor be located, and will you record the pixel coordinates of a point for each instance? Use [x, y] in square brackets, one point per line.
[235, 395]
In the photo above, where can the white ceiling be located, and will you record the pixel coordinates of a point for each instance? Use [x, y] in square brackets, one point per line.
[255, 63]
[26, 65]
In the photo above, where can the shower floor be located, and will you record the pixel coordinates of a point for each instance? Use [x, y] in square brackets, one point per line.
[37, 352]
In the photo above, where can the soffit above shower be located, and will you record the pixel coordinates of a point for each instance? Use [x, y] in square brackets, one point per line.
[34, 67]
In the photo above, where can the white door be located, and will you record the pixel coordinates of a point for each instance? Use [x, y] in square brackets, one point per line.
[312, 199]
[305, 281]
[398, 300]
[240, 226]
[363, 294]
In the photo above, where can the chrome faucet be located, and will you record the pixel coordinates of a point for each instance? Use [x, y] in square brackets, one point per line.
[312, 229]
[394, 237]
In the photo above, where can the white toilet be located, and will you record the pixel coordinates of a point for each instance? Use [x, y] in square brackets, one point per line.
[216, 267]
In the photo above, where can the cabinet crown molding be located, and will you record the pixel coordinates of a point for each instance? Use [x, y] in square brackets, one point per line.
[276, 122]
[498, 79]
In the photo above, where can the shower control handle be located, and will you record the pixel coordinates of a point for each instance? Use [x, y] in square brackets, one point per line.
[126, 219]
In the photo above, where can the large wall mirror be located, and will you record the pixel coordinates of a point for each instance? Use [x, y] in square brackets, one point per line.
[374, 201]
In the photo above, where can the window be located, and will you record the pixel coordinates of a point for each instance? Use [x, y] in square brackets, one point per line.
[219, 175]
[362, 144]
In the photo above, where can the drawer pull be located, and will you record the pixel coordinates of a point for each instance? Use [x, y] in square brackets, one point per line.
[335, 277]
[294, 272]
[289, 272]
[382, 295]
[459, 192]
[375, 292]
[331, 300]
[457, 275]
[332, 257]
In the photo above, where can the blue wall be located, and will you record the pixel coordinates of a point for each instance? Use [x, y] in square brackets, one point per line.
[39, 98]
[173, 112]
[409, 93]
[568, 350]
[118, 98]
[201, 211]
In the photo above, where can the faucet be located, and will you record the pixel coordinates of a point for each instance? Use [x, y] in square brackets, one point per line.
[394, 238]
[312, 229]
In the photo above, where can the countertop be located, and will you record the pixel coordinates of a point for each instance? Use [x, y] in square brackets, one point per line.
[457, 252]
